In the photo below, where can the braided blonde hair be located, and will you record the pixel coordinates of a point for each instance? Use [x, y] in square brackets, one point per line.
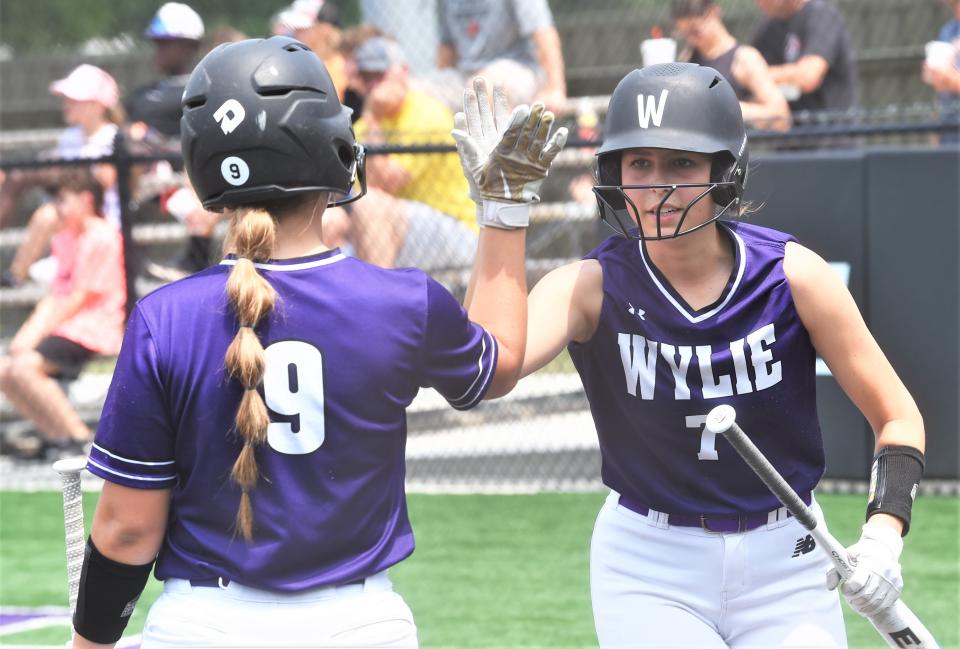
[253, 235]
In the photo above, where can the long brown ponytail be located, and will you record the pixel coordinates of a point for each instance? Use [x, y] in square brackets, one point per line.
[253, 236]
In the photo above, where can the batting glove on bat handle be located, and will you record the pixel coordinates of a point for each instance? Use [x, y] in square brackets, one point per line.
[876, 582]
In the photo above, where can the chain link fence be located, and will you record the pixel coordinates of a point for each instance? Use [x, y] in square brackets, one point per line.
[541, 436]
[600, 43]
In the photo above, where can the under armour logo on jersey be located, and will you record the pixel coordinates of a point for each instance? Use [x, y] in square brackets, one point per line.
[229, 115]
[805, 545]
[637, 311]
[650, 108]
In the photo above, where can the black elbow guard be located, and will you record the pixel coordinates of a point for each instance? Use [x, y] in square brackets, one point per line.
[894, 482]
[108, 593]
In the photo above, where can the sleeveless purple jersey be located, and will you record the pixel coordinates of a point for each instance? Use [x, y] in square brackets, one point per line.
[656, 367]
[348, 346]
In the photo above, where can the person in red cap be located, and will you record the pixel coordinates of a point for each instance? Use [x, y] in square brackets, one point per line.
[92, 113]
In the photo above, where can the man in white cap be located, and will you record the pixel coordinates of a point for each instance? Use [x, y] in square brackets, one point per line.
[176, 31]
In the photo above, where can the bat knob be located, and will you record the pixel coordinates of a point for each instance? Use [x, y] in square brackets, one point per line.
[70, 465]
[721, 419]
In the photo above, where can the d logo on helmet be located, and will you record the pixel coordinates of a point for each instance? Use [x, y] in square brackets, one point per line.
[229, 115]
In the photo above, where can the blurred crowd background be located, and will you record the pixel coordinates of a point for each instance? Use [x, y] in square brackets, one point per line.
[41, 41]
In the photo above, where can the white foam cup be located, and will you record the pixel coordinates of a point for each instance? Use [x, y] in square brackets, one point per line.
[658, 50]
[940, 54]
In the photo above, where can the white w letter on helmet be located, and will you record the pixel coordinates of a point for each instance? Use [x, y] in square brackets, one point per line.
[229, 115]
[651, 108]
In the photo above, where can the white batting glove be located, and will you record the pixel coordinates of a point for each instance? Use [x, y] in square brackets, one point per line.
[876, 582]
[484, 127]
[505, 159]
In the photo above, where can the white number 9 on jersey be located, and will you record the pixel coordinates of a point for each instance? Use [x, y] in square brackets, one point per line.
[293, 389]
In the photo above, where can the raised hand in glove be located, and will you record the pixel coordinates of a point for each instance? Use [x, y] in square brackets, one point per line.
[484, 127]
[876, 582]
[505, 158]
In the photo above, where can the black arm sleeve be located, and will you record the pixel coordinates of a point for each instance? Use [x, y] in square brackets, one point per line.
[108, 593]
[894, 482]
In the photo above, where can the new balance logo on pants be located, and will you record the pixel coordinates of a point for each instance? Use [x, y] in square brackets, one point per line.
[804, 546]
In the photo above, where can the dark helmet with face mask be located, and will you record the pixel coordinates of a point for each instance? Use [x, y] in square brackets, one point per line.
[262, 122]
[681, 106]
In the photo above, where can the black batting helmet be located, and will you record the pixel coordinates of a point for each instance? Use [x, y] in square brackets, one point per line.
[262, 121]
[681, 106]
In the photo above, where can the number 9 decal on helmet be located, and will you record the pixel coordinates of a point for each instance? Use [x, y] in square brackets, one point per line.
[678, 106]
[262, 121]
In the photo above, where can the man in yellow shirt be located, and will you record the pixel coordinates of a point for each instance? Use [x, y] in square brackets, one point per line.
[417, 210]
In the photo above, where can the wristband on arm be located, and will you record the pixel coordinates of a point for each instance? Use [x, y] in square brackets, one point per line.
[108, 593]
[502, 215]
[894, 482]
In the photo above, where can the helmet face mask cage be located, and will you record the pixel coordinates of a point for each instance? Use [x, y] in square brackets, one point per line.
[625, 220]
[358, 178]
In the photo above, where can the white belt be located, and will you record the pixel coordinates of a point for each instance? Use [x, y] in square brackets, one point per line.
[377, 582]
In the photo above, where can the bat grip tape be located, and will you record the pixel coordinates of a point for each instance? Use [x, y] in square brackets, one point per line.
[770, 477]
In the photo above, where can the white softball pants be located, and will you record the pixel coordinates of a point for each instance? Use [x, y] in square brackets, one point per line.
[657, 585]
[370, 614]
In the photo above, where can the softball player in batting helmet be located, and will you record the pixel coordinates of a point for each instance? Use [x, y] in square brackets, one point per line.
[252, 441]
[688, 308]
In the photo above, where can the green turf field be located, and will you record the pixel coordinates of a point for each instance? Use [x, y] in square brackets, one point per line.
[494, 571]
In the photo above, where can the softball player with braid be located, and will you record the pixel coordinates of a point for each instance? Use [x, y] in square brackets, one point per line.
[252, 441]
[686, 309]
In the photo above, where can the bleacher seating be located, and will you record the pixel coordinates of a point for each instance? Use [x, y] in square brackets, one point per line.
[560, 231]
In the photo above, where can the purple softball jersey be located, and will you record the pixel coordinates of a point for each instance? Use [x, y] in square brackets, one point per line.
[655, 367]
[348, 346]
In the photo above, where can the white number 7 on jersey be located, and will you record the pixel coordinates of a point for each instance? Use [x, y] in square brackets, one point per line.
[708, 440]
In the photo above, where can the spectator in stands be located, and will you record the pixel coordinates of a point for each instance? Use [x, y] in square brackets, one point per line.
[82, 316]
[510, 42]
[417, 210]
[944, 75]
[219, 35]
[700, 24]
[412, 24]
[352, 38]
[92, 113]
[177, 33]
[810, 53]
[316, 24]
